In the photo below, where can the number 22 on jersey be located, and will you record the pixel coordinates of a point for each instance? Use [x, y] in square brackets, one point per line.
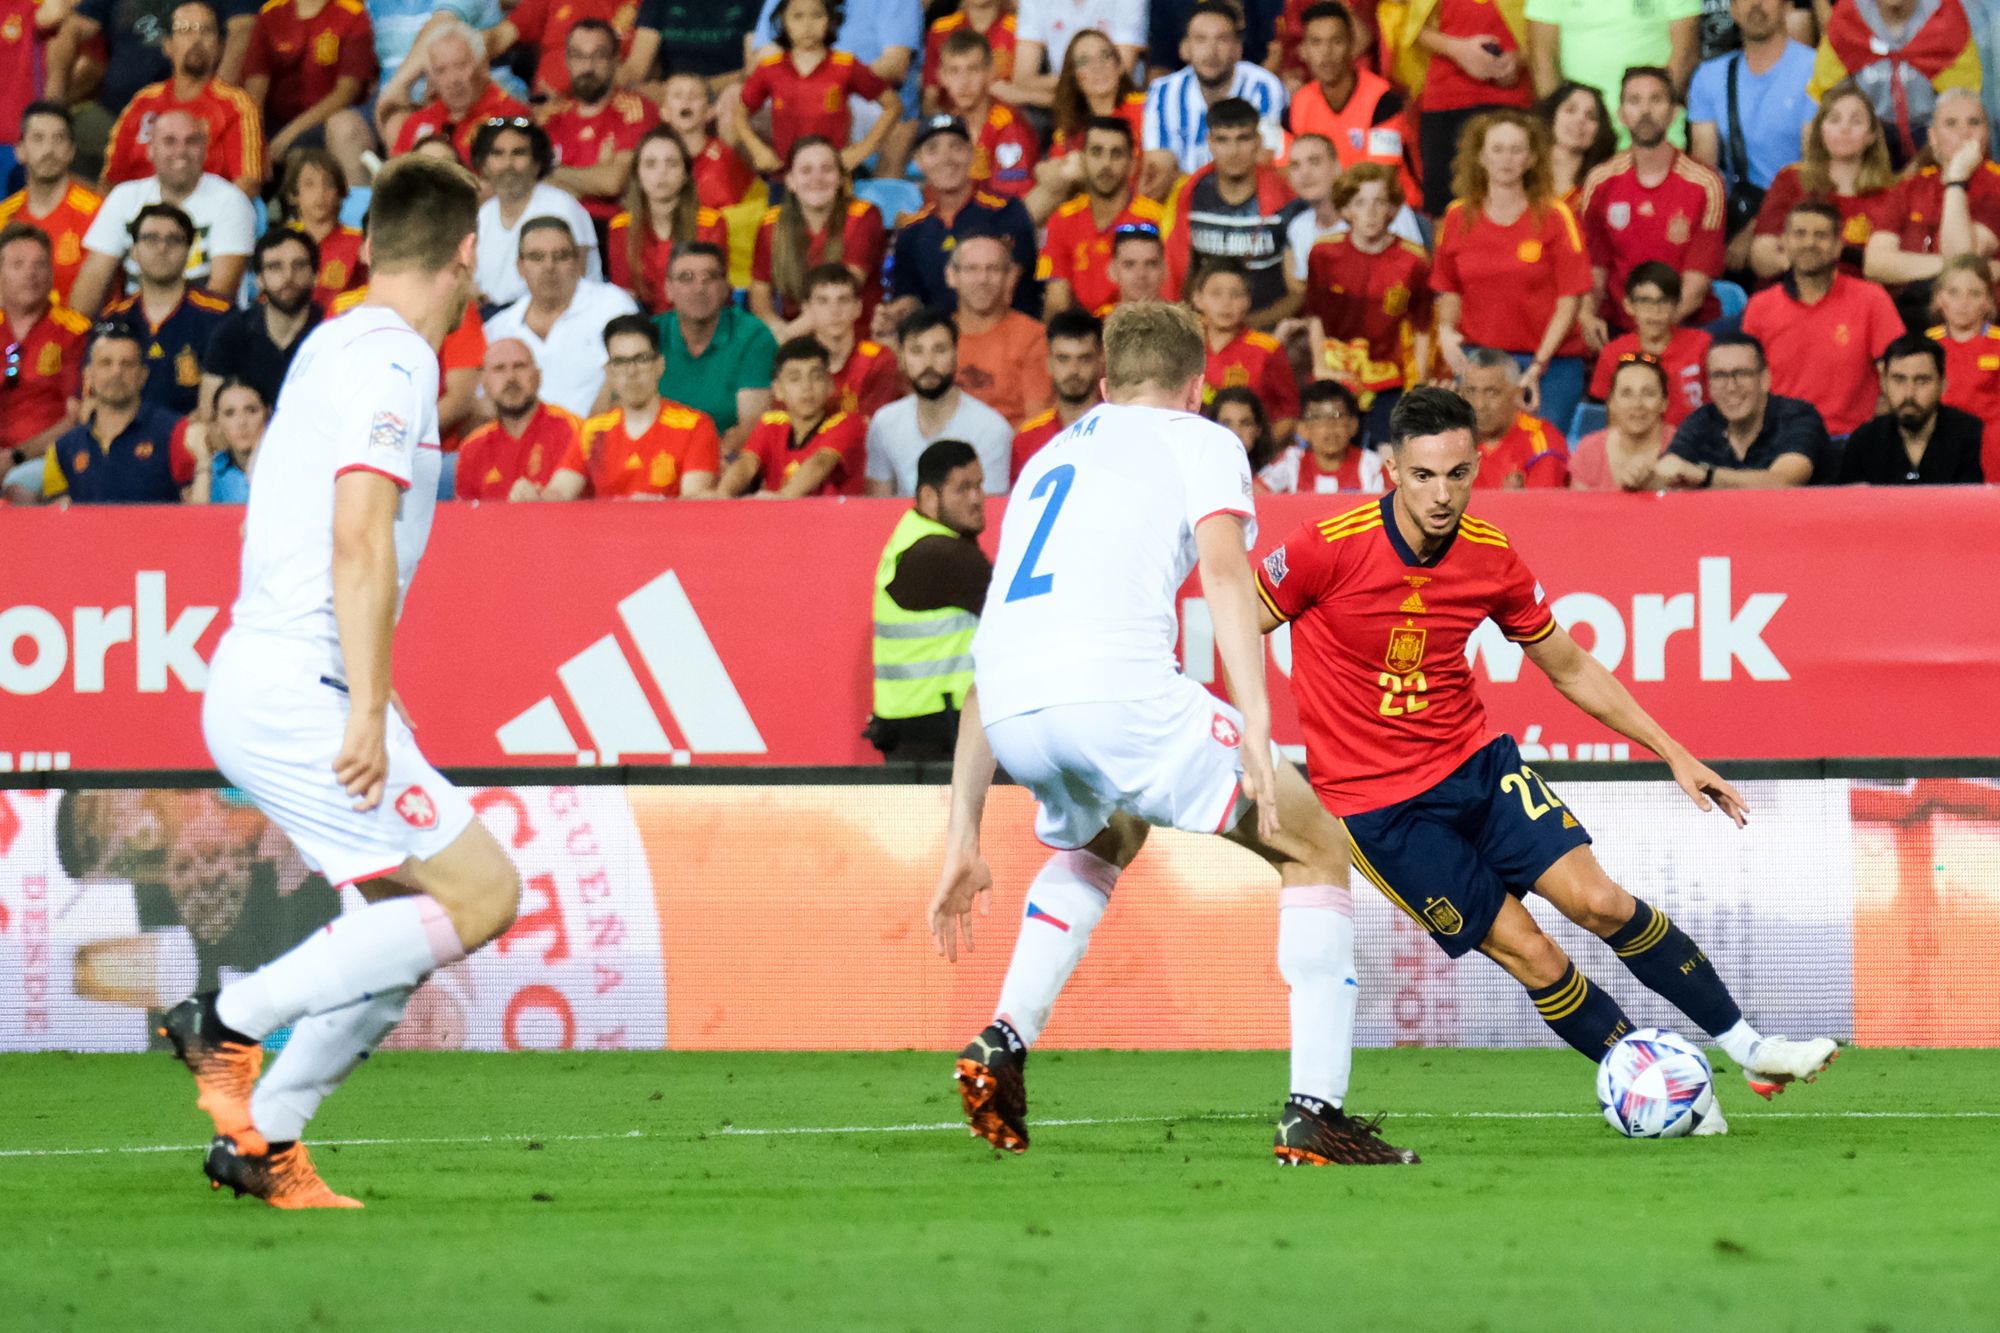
[1055, 484]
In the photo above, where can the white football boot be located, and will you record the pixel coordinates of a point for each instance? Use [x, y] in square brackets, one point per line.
[1777, 1061]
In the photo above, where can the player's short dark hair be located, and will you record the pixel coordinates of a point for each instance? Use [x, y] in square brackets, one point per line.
[1221, 9]
[620, 325]
[488, 134]
[699, 250]
[593, 25]
[1738, 338]
[1656, 273]
[1428, 410]
[278, 236]
[53, 110]
[542, 222]
[922, 320]
[805, 347]
[420, 210]
[1117, 125]
[1232, 113]
[1659, 72]
[1915, 344]
[963, 42]
[25, 231]
[1076, 322]
[940, 460]
[172, 214]
[831, 274]
[1816, 208]
[1328, 391]
[1328, 9]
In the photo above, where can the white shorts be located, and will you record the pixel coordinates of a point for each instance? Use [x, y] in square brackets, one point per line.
[274, 724]
[1172, 760]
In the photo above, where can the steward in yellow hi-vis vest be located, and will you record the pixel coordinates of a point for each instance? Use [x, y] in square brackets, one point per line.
[930, 587]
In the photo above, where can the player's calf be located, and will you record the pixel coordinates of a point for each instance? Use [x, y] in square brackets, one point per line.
[1583, 1015]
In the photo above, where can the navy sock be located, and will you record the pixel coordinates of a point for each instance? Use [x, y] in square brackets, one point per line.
[1581, 1014]
[1674, 968]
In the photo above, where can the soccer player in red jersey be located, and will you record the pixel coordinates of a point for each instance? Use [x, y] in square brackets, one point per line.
[808, 83]
[1238, 355]
[1652, 295]
[309, 65]
[1076, 249]
[865, 374]
[1963, 295]
[991, 19]
[235, 131]
[513, 456]
[1076, 374]
[806, 445]
[722, 179]
[51, 200]
[662, 210]
[1004, 144]
[1445, 817]
[596, 129]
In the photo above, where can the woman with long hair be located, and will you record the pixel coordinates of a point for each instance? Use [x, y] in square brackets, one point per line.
[1093, 85]
[1241, 412]
[312, 191]
[820, 222]
[1515, 249]
[661, 211]
[1581, 136]
[1846, 164]
[1625, 455]
[231, 440]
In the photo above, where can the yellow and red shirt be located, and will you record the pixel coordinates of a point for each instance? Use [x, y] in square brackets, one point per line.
[679, 441]
[815, 103]
[589, 141]
[863, 240]
[1972, 382]
[434, 118]
[1372, 307]
[1035, 432]
[545, 25]
[1077, 252]
[1509, 278]
[492, 459]
[340, 266]
[44, 371]
[64, 225]
[868, 381]
[305, 59]
[1004, 150]
[1532, 455]
[778, 446]
[1002, 36]
[648, 284]
[1254, 361]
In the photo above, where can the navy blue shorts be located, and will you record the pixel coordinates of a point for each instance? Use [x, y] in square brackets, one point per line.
[1451, 855]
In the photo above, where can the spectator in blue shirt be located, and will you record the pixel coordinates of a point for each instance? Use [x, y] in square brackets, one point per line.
[123, 451]
[952, 208]
[173, 321]
[1771, 73]
[240, 417]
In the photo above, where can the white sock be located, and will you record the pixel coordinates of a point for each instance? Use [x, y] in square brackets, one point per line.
[323, 1051]
[1065, 903]
[1316, 958]
[396, 942]
[1739, 1041]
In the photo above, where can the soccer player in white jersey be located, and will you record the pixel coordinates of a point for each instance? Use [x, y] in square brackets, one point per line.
[300, 713]
[1076, 692]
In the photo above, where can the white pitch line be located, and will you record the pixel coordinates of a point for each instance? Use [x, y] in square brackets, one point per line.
[940, 1126]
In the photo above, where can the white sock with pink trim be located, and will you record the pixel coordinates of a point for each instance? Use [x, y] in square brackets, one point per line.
[396, 942]
[323, 1051]
[1065, 903]
[1316, 958]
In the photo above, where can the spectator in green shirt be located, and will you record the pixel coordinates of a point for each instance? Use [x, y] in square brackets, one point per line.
[1596, 41]
[718, 355]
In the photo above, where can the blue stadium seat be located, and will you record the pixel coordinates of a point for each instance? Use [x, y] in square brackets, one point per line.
[354, 208]
[894, 198]
[1730, 296]
[1588, 417]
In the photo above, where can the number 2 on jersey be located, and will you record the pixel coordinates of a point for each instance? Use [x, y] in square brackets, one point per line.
[1026, 582]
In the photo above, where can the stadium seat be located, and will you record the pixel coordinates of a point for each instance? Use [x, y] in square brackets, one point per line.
[1730, 296]
[354, 208]
[894, 198]
[1589, 417]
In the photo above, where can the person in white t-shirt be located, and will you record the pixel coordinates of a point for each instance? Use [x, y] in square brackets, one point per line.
[562, 317]
[1043, 28]
[300, 716]
[512, 156]
[1077, 693]
[934, 409]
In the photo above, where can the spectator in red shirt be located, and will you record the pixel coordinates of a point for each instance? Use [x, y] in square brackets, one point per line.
[1094, 84]
[1238, 355]
[1651, 201]
[462, 97]
[309, 66]
[595, 129]
[1652, 295]
[235, 131]
[1352, 107]
[50, 199]
[1964, 300]
[1947, 203]
[662, 210]
[819, 222]
[1516, 450]
[1329, 457]
[1004, 144]
[1076, 249]
[645, 447]
[1076, 374]
[1823, 331]
[1472, 58]
[44, 347]
[1581, 138]
[808, 83]
[1625, 455]
[865, 373]
[23, 34]
[312, 191]
[513, 456]
[990, 19]
[806, 445]
[1002, 354]
[1846, 163]
[1138, 264]
[722, 179]
[1510, 270]
[543, 25]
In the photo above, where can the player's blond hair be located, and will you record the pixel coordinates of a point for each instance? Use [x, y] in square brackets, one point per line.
[421, 210]
[1153, 342]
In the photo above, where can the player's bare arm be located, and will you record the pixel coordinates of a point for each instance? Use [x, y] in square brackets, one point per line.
[1583, 681]
[1236, 610]
[364, 607]
[965, 877]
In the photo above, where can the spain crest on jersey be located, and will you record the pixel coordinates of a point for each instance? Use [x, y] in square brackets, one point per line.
[1442, 916]
[1406, 649]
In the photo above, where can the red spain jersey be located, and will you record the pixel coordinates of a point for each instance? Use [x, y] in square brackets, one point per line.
[868, 381]
[590, 141]
[1075, 251]
[491, 459]
[235, 132]
[1004, 151]
[1531, 455]
[1254, 361]
[340, 266]
[680, 440]
[862, 243]
[64, 225]
[1678, 222]
[21, 44]
[1132, 111]
[545, 25]
[774, 443]
[1035, 432]
[305, 59]
[1685, 361]
[1972, 382]
[44, 371]
[814, 103]
[648, 283]
[1448, 87]
[1509, 278]
[1913, 207]
[434, 118]
[1298, 471]
[1857, 214]
[721, 177]
[1386, 697]
[1002, 36]
[1373, 307]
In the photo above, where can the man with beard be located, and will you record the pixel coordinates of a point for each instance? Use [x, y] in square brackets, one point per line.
[173, 321]
[257, 345]
[595, 131]
[513, 456]
[1076, 369]
[1076, 253]
[124, 451]
[50, 198]
[235, 131]
[1917, 442]
[511, 155]
[1651, 201]
[936, 409]
[1178, 106]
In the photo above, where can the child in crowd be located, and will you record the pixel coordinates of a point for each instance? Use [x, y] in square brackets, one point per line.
[1241, 413]
[1329, 458]
[1652, 295]
[313, 189]
[806, 445]
[1004, 144]
[722, 179]
[807, 84]
[1239, 356]
[1963, 295]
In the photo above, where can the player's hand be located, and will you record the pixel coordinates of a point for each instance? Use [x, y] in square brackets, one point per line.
[362, 766]
[1707, 789]
[1260, 784]
[964, 880]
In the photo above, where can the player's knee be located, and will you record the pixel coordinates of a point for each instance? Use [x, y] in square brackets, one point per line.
[1602, 907]
[503, 901]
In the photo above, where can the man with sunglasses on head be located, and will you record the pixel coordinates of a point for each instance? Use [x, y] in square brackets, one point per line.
[42, 345]
[513, 155]
[1076, 252]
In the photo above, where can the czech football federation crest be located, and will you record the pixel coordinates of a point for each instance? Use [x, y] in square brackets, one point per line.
[1406, 649]
[417, 808]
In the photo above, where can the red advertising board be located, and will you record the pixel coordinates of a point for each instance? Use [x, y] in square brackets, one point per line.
[1783, 625]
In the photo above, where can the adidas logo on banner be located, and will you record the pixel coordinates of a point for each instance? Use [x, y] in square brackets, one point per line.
[677, 653]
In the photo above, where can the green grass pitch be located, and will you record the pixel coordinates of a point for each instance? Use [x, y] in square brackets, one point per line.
[625, 1191]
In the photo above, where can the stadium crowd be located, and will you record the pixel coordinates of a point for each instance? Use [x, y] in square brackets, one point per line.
[1678, 244]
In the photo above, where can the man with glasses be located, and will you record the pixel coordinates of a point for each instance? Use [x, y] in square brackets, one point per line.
[1076, 252]
[1516, 450]
[646, 446]
[717, 356]
[562, 317]
[595, 129]
[1746, 438]
[235, 129]
[1330, 458]
[125, 450]
[257, 345]
[174, 322]
[42, 343]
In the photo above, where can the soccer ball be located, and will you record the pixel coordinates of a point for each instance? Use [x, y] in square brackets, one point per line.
[1655, 1084]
